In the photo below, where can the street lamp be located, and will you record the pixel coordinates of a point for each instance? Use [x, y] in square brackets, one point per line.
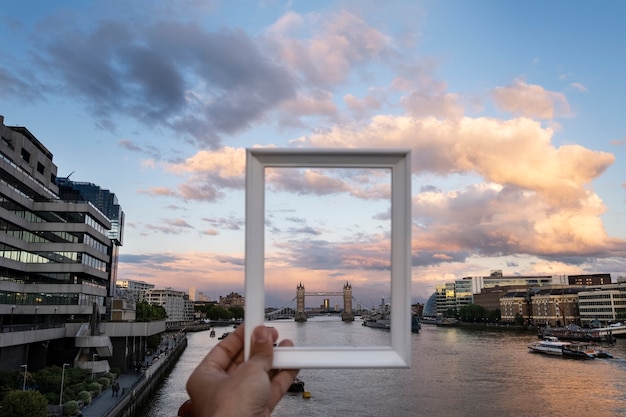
[25, 369]
[62, 379]
[93, 362]
[12, 308]
[36, 310]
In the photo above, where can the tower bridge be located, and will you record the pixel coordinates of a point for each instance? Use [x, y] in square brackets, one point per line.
[346, 315]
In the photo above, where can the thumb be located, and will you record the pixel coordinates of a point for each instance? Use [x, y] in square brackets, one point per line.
[262, 346]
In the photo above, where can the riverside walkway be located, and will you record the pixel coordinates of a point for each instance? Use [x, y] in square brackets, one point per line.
[104, 402]
[132, 383]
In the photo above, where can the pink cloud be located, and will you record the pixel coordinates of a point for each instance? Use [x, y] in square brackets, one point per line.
[531, 100]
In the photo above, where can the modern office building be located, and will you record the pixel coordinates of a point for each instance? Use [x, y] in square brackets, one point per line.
[58, 261]
[461, 292]
[132, 290]
[606, 304]
[177, 305]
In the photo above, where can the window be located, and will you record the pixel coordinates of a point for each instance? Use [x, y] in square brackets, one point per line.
[25, 155]
[40, 167]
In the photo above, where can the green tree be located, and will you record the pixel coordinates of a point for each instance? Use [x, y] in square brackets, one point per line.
[71, 408]
[149, 312]
[215, 312]
[471, 313]
[238, 312]
[10, 380]
[494, 316]
[24, 404]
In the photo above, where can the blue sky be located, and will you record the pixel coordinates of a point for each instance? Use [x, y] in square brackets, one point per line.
[513, 112]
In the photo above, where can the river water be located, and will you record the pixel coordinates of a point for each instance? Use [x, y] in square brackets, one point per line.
[454, 372]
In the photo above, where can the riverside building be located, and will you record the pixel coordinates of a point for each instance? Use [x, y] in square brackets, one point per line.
[59, 243]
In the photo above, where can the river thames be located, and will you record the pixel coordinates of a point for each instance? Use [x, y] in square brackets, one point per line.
[454, 372]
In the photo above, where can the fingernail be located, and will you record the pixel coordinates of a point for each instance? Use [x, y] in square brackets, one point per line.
[261, 335]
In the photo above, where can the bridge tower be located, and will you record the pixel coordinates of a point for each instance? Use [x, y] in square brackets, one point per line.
[348, 314]
[300, 314]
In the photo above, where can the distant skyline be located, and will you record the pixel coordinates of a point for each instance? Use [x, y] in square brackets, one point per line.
[513, 113]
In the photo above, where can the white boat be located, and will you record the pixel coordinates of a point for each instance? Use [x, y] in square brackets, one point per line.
[550, 345]
[553, 346]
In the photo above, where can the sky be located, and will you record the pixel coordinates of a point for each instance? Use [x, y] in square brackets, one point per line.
[513, 112]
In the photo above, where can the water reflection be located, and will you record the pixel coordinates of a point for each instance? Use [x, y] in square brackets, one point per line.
[455, 372]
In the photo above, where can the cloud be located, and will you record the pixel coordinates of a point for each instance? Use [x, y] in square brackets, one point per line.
[171, 74]
[531, 100]
[170, 227]
[230, 223]
[515, 152]
[579, 87]
[341, 40]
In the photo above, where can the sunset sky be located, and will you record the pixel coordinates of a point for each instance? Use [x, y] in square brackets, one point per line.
[514, 113]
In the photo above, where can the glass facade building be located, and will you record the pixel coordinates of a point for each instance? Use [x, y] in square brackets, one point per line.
[58, 255]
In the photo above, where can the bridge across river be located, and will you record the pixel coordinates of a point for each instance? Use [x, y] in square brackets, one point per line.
[300, 314]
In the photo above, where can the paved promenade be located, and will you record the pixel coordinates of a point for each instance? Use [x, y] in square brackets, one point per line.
[104, 402]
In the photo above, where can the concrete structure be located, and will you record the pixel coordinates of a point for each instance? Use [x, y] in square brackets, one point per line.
[177, 305]
[232, 300]
[554, 306]
[59, 244]
[606, 304]
[347, 313]
[132, 290]
[461, 292]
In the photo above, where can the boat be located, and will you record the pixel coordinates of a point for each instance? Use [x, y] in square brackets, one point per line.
[379, 318]
[416, 326]
[553, 346]
[575, 351]
[428, 320]
[296, 386]
[549, 345]
[599, 353]
[212, 333]
[224, 335]
[378, 323]
[576, 333]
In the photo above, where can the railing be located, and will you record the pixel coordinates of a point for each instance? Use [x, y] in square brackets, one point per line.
[13, 328]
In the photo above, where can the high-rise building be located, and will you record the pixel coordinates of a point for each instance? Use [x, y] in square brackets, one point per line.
[58, 261]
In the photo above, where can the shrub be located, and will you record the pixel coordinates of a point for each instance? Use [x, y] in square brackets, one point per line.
[51, 397]
[70, 408]
[116, 371]
[94, 387]
[85, 397]
[105, 382]
[24, 404]
[110, 376]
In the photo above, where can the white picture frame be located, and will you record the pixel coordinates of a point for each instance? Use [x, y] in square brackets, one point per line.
[398, 355]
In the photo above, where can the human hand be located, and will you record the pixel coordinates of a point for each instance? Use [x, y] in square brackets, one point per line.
[223, 385]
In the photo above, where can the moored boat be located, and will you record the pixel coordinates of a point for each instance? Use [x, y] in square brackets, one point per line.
[296, 386]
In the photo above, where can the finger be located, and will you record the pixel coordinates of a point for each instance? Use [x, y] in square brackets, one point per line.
[280, 384]
[262, 347]
[226, 351]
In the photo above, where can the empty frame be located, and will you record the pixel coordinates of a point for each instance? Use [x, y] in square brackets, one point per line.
[398, 161]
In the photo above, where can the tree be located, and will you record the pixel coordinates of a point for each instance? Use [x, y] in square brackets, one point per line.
[238, 312]
[20, 403]
[471, 313]
[215, 312]
[149, 312]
